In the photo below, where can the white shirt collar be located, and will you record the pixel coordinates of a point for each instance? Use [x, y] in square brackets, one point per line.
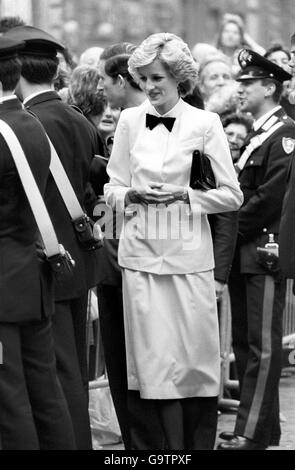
[28, 98]
[7, 98]
[260, 121]
[173, 112]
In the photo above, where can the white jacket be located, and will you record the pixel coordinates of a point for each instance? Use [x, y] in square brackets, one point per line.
[141, 156]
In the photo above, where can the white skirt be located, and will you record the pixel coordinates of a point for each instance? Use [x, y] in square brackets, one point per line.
[172, 337]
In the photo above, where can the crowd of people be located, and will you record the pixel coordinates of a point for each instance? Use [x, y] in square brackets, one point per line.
[104, 166]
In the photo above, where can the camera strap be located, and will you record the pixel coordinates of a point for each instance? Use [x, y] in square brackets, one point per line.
[32, 191]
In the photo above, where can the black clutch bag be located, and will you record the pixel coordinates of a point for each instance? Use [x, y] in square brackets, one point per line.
[202, 176]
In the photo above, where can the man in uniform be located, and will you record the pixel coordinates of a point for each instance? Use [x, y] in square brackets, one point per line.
[76, 143]
[33, 411]
[257, 287]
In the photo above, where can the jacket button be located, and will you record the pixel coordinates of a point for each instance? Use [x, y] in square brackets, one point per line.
[251, 162]
[265, 230]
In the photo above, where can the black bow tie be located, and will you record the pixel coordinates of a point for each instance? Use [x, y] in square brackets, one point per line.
[152, 121]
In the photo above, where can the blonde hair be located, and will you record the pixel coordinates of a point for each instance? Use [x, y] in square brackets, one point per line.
[174, 55]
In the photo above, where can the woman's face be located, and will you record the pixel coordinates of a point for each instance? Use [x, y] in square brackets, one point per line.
[231, 36]
[159, 86]
[236, 134]
[109, 120]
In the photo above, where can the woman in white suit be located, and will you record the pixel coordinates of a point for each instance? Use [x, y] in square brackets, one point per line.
[165, 249]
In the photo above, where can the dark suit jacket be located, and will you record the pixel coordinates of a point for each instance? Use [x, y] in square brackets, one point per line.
[25, 282]
[110, 272]
[263, 182]
[76, 143]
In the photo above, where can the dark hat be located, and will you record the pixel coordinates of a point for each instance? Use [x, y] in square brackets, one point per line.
[37, 42]
[9, 48]
[254, 67]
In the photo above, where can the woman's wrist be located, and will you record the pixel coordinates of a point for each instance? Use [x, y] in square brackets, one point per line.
[184, 196]
[130, 197]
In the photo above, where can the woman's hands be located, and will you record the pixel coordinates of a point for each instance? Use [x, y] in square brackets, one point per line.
[148, 195]
[156, 193]
[179, 193]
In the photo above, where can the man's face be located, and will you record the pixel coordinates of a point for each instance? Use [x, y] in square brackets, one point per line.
[110, 87]
[251, 96]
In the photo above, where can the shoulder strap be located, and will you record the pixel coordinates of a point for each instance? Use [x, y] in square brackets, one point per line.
[254, 144]
[64, 185]
[62, 181]
[32, 191]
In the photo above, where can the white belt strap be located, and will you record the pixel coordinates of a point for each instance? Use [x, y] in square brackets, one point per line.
[255, 142]
[32, 191]
[64, 186]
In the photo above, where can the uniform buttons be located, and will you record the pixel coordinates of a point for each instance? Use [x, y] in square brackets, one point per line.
[265, 230]
[251, 162]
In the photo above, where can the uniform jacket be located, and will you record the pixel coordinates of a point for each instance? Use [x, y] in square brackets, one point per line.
[76, 143]
[224, 228]
[288, 107]
[25, 283]
[286, 235]
[141, 155]
[263, 182]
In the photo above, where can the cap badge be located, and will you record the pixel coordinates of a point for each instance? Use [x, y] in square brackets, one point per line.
[245, 57]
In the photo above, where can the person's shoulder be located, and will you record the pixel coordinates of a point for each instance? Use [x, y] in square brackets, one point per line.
[133, 113]
[288, 122]
[283, 138]
[202, 114]
[76, 117]
[73, 111]
[131, 118]
[287, 129]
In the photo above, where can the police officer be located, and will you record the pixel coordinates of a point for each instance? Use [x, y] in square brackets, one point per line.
[257, 287]
[33, 411]
[76, 143]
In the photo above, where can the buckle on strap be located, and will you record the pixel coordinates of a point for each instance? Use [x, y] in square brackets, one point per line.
[61, 264]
